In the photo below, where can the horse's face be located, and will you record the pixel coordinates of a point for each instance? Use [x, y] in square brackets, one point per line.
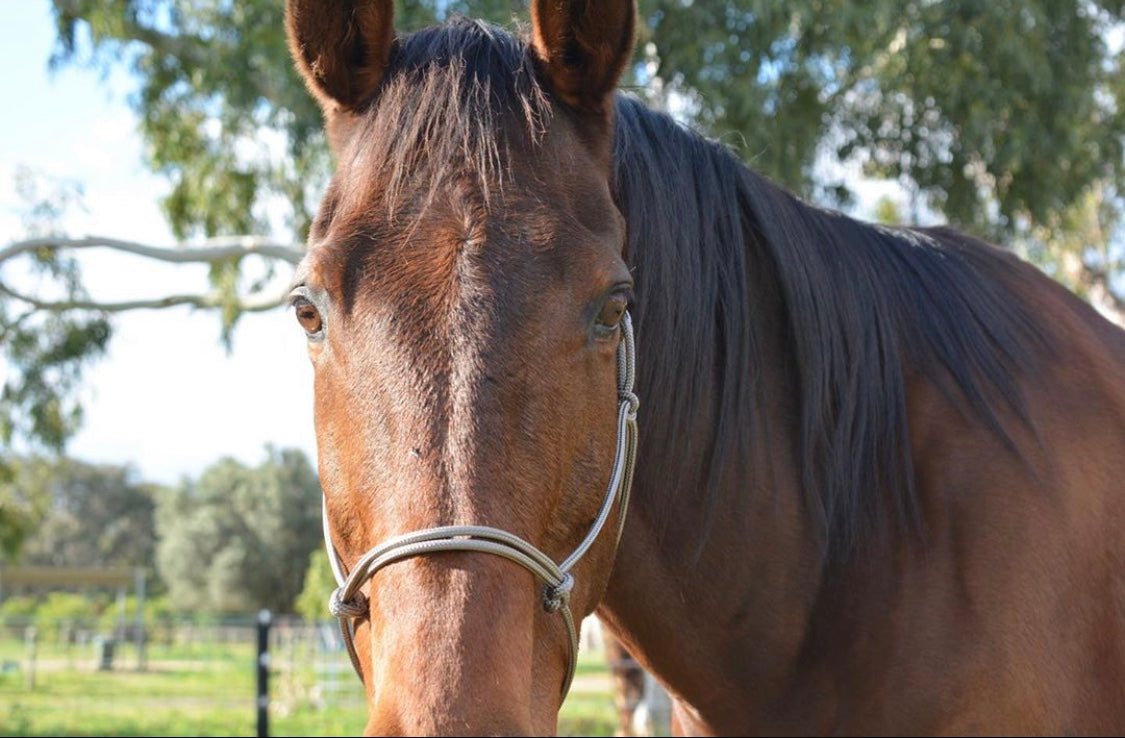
[463, 294]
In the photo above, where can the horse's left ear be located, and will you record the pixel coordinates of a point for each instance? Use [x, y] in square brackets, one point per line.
[584, 46]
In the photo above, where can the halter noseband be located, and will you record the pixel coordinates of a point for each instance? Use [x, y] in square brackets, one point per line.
[348, 602]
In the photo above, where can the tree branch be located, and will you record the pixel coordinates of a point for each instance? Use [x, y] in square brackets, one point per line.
[209, 252]
[10, 328]
[254, 302]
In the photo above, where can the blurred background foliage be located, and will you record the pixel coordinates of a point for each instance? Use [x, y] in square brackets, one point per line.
[1003, 118]
[232, 541]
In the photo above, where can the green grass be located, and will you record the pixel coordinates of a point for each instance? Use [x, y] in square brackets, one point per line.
[210, 691]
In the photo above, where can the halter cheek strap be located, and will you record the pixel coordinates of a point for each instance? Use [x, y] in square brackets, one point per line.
[348, 603]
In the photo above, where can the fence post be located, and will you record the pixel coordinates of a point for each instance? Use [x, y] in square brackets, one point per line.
[264, 619]
[30, 637]
[140, 636]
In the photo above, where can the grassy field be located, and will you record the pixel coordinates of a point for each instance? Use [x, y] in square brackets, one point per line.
[208, 689]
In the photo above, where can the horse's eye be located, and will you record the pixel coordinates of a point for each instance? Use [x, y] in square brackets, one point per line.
[611, 313]
[308, 316]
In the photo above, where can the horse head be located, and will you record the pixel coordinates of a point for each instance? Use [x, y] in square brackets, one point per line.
[465, 298]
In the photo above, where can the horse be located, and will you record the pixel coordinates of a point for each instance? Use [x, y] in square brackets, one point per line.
[818, 475]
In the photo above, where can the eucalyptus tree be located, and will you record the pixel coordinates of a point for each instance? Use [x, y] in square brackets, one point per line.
[239, 538]
[1002, 117]
[92, 514]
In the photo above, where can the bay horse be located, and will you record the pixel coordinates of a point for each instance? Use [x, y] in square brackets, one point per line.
[819, 476]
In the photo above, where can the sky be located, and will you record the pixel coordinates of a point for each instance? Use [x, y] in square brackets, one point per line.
[167, 399]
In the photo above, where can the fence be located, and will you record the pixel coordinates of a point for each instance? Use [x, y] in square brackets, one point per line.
[57, 677]
[208, 666]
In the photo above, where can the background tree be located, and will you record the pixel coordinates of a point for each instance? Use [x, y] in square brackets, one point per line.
[91, 514]
[1002, 117]
[320, 583]
[238, 539]
[82, 515]
[24, 502]
[42, 352]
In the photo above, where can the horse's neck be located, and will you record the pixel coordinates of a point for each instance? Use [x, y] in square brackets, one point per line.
[681, 601]
[736, 609]
[689, 585]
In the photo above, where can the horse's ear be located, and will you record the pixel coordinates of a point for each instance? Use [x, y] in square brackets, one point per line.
[584, 46]
[341, 47]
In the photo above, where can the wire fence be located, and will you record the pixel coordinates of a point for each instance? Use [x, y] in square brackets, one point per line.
[58, 676]
[192, 672]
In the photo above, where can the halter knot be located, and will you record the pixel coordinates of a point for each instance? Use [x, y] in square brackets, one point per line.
[356, 607]
[554, 598]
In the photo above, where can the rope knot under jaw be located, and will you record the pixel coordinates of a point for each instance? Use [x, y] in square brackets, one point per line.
[356, 607]
[554, 598]
[632, 400]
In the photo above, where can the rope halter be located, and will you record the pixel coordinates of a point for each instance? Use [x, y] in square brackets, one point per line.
[348, 603]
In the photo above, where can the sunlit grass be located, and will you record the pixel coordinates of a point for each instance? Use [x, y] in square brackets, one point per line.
[212, 693]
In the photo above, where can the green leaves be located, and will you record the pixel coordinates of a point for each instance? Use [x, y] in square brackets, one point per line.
[995, 113]
[996, 110]
[44, 352]
[1003, 117]
[82, 514]
[319, 585]
[235, 539]
[46, 357]
[238, 539]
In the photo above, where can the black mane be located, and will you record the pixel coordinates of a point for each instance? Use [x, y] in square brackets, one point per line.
[455, 97]
[855, 307]
[859, 306]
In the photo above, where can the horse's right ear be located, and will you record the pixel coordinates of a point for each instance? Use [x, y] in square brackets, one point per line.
[341, 48]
